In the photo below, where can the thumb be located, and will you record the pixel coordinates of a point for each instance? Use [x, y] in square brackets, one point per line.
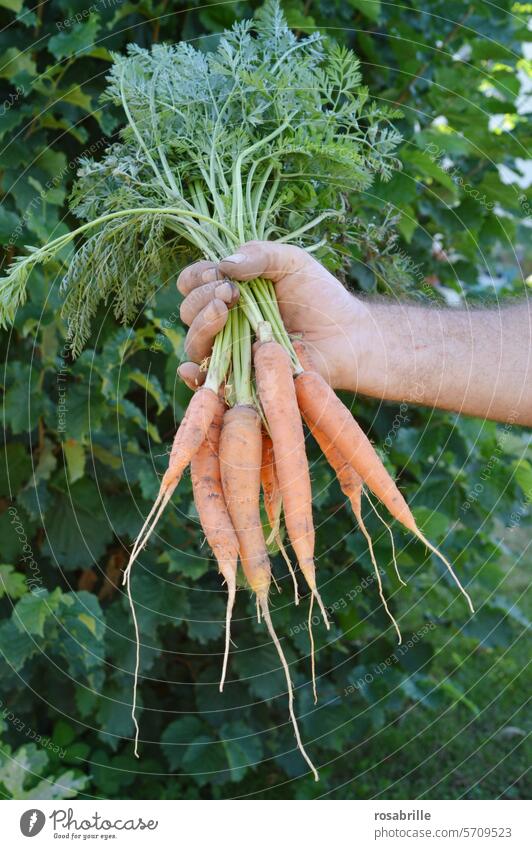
[272, 260]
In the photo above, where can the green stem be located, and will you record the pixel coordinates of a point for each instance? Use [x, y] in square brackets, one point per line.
[250, 307]
[237, 212]
[245, 356]
[241, 351]
[139, 138]
[171, 212]
[315, 221]
[220, 358]
[269, 307]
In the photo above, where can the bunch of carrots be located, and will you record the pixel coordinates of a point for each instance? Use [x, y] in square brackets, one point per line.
[245, 432]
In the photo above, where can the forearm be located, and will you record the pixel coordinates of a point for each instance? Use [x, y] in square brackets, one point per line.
[477, 362]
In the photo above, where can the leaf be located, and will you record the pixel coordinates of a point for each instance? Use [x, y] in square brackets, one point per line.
[67, 785]
[243, 748]
[434, 525]
[523, 474]
[13, 62]
[17, 769]
[33, 609]
[12, 583]
[205, 759]
[152, 386]
[75, 458]
[12, 5]
[9, 222]
[490, 626]
[426, 165]
[15, 647]
[76, 39]
[106, 457]
[177, 737]
[77, 531]
[15, 468]
[370, 8]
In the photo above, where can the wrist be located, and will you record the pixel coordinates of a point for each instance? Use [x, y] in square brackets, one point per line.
[352, 354]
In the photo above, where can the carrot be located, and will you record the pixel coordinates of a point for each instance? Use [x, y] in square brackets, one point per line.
[214, 517]
[273, 503]
[351, 485]
[275, 385]
[189, 437]
[240, 462]
[240, 465]
[187, 441]
[321, 408]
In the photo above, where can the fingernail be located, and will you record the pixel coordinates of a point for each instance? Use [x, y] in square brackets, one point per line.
[209, 275]
[236, 258]
[224, 291]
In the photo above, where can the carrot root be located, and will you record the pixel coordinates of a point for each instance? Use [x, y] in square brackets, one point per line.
[450, 569]
[141, 542]
[137, 665]
[321, 605]
[364, 530]
[387, 526]
[288, 562]
[275, 640]
[231, 593]
[312, 650]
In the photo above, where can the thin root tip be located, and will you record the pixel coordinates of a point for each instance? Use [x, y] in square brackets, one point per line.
[221, 687]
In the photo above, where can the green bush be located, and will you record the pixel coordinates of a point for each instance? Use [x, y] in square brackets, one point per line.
[84, 439]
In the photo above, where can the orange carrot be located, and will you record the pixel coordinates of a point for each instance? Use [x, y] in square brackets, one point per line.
[275, 385]
[321, 408]
[351, 485]
[189, 437]
[240, 462]
[240, 465]
[273, 503]
[350, 482]
[187, 441]
[214, 517]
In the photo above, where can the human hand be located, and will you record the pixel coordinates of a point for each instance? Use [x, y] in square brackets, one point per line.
[314, 306]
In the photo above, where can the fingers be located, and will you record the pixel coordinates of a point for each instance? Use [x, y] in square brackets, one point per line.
[198, 298]
[264, 259]
[205, 326]
[192, 375]
[196, 274]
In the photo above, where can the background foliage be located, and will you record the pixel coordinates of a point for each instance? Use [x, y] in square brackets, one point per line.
[84, 439]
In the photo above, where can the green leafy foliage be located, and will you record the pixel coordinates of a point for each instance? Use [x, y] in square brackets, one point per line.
[87, 439]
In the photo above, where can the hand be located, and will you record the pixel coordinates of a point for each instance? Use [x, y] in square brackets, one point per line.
[314, 306]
